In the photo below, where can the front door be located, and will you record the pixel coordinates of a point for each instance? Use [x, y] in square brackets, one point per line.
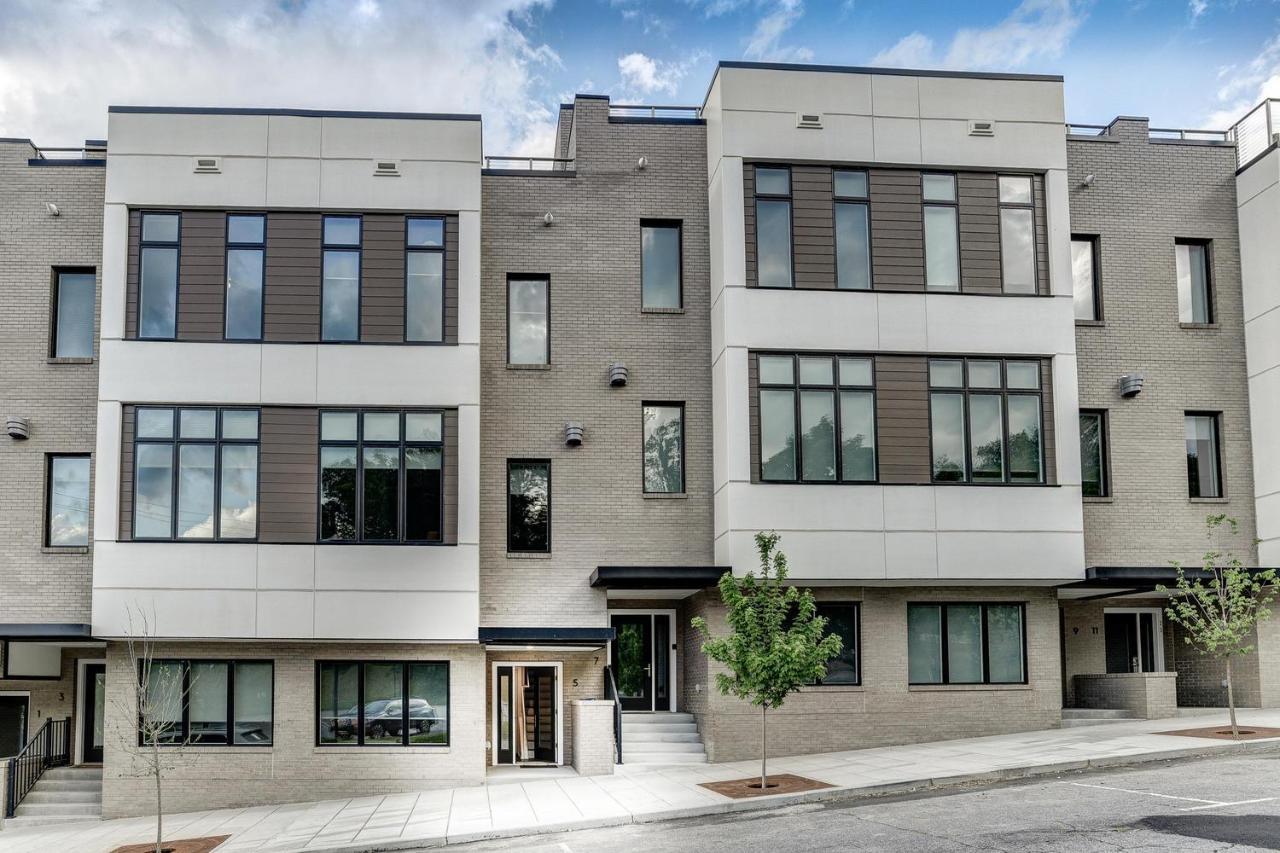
[525, 708]
[95, 700]
[13, 724]
[633, 661]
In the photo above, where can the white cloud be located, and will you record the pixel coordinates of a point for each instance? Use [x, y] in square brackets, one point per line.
[644, 75]
[1243, 88]
[1196, 8]
[62, 63]
[1036, 30]
[765, 43]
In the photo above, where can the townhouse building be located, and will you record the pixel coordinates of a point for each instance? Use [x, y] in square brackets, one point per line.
[408, 464]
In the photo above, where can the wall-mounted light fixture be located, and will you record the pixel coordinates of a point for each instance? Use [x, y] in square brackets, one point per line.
[549, 218]
[19, 428]
[573, 434]
[617, 374]
[642, 163]
[52, 208]
[1088, 180]
[1131, 385]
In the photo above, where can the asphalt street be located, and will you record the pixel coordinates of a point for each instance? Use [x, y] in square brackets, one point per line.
[1203, 804]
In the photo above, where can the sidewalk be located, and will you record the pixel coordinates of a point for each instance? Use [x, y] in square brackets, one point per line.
[508, 807]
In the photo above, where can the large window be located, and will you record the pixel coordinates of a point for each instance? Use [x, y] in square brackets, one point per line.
[966, 644]
[1084, 277]
[528, 320]
[73, 298]
[158, 276]
[340, 293]
[381, 476]
[528, 506]
[195, 473]
[382, 703]
[246, 260]
[817, 418]
[424, 279]
[1017, 234]
[1094, 474]
[941, 232]
[1204, 455]
[660, 262]
[842, 620]
[985, 420]
[67, 501]
[773, 226]
[211, 702]
[1195, 293]
[663, 447]
[853, 230]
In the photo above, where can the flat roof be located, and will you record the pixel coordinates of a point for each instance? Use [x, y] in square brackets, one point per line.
[897, 72]
[262, 111]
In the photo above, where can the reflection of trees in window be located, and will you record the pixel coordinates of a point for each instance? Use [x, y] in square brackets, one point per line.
[528, 506]
[817, 422]
[631, 660]
[663, 457]
[820, 450]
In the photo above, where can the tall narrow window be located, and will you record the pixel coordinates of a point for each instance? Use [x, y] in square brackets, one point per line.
[424, 279]
[1017, 234]
[853, 231]
[941, 232]
[1084, 277]
[340, 293]
[1204, 458]
[842, 620]
[528, 321]
[73, 300]
[773, 226]
[660, 262]
[67, 502]
[528, 506]
[158, 276]
[1195, 293]
[1093, 454]
[246, 259]
[663, 447]
[985, 420]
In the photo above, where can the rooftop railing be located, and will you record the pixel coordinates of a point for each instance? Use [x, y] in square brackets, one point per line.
[530, 164]
[653, 111]
[89, 151]
[1256, 132]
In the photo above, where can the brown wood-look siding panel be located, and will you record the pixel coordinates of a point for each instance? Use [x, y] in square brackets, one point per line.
[902, 418]
[450, 532]
[288, 475]
[897, 230]
[131, 276]
[753, 408]
[125, 532]
[1046, 423]
[201, 275]
[382, 279]
[291, 299]
[813, 227]
[451, 279]
[749, 222]
[1042, 236]
[979, 218]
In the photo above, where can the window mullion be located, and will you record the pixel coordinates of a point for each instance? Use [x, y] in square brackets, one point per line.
[986, 646]
[942, 643]
[360, 704]
[404, 703]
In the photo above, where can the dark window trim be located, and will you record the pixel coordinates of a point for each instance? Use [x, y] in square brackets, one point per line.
[1095, 242]
[359, 444]
[791, 217]
[48, 499]
[1210, 283]
[185, 664]
[8, 676]
[226, 267]
[1104, 452]
[797, 387]
[358, 741]
[954, 204]
[546, 280]
[1218, 455]
[1001, 206]
[644, 486]
[527, 461]
[864, 201]
[678, 225]
[442, 251]
[176, 245]
[857, 638]
[358, 251]
[986, 642]
[55, 298]
[175, 443]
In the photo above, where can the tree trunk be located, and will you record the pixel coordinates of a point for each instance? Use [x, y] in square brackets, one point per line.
[155, 758]
[764, 747]
[1231, 702]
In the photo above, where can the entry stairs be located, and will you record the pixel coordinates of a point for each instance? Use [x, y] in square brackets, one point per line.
[661, 738]
[63, 795]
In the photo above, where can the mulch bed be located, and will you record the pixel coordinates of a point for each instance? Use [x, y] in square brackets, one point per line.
[781, 783]
[184, 845]
[1224, 732]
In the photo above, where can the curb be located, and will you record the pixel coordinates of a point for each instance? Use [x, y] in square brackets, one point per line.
[777, 801]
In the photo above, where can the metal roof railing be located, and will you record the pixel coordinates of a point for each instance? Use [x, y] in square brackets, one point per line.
[653, 111]
[91, 150]
[1256, 132]
[529, 164]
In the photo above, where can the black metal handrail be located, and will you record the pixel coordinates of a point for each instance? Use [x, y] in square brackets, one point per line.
[611, 692]
[50, 747]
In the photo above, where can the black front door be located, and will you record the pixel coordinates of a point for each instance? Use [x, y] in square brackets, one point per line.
[633, 661]
[13, 725]
[95, 700]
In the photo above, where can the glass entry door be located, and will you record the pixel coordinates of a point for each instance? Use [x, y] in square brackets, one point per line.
[1134, 640]
[95, 698]
[525, 710]
[13, 724]
[641, 661]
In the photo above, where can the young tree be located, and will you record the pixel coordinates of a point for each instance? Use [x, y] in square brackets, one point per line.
[776, 641]
[1220, 608]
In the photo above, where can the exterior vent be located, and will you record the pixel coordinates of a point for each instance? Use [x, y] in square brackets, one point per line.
[982, 127]
[617, 374]
[207, 165]
[811, 121]
[1131, 385]
[386, 168]
[19, 428]
[573, 434]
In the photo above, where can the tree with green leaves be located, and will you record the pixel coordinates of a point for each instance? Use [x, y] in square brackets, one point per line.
[777, 641]
[1220, 607]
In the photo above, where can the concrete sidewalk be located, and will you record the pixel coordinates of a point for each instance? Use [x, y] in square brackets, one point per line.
[509, 805]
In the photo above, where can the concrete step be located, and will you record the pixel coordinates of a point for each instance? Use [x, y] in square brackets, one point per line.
[75, 773]
[660, 718]
[1097, 714]
[39, 794]
[663, 760]
[669, 728]
[30, 809]
[1075, 724]
[661, 746]
[28, 822]
[644, 735]
[47, 784]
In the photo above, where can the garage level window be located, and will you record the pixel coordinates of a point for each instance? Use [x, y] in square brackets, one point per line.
[1195, 290]
[966, 644]
[246, 260]
[1204, 455]
[340, 291]
[73, 299]
[382, 703]
[67, 501]
[773, 226]
[528, 505]
[209, 702]
[660, 255]
[158, 276]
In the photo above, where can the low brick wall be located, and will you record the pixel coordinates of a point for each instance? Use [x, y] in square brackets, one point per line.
[593, 748]
[1149, 695]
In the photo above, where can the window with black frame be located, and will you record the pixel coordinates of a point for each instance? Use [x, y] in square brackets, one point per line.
[528, 506]
[1087, 297]
[843, 621]
[660, 265]
[209, 702]
[381, 476]
[1017, 234]
[773, 226]
[246, 262]
[966, 643]
[340, 285]
[195, 473]
[67, 501]
[853, 230]
[74, 294]
[817, 418]
[382, 703]
[1195, 282]
[1204, 455]
[941, 231]
[424, 279]
[1094, 479]
[663, 427]
[984, 416]
[158, 275]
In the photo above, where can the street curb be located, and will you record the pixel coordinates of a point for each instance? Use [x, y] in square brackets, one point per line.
[777, 801]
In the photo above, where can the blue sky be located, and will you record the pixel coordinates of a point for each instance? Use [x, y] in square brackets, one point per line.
[1183, 63]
